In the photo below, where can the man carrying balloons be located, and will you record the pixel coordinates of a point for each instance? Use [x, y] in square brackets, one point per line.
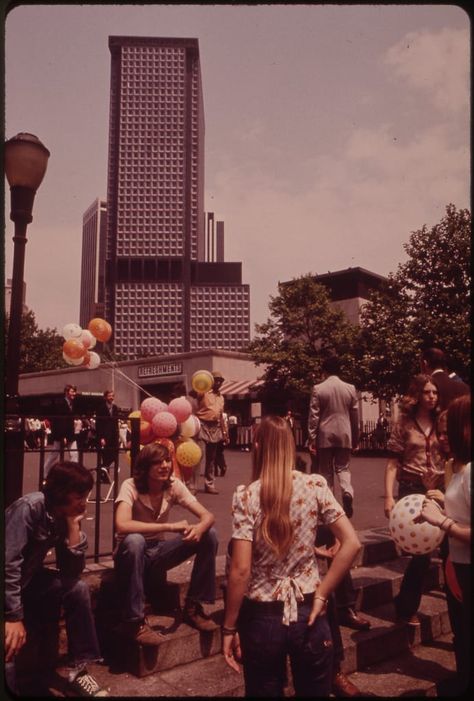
[210, 409]
[62, 429]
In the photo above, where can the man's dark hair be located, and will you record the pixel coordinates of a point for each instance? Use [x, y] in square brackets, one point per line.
[108, 391]
[66, 478]
[68, 387]
[435, 358]
[331, 365]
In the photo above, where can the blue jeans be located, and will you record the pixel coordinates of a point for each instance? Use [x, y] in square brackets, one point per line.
[42, 600]
[266, 642]
[138, 560]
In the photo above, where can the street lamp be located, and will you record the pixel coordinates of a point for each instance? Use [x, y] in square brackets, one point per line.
[26, 159]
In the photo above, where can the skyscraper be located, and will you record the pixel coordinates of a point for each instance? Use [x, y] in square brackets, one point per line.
[161, 295]
[94, 223]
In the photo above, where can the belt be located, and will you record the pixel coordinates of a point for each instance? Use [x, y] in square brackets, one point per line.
[273, 606]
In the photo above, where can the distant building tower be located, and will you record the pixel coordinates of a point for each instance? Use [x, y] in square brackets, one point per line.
[94, 223]
[8, 297]
[157, 297]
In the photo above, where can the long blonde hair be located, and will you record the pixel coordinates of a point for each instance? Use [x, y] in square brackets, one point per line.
[274, 457]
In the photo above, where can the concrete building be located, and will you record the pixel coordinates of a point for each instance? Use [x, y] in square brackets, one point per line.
[161, 295]
[94, 223]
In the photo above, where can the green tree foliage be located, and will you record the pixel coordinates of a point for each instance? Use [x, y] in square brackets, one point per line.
[39, 349]
[302, 330]
[425, 303]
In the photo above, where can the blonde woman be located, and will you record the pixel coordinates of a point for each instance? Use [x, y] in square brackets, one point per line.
[276, 602]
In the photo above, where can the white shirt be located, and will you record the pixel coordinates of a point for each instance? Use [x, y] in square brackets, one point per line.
[457, 502]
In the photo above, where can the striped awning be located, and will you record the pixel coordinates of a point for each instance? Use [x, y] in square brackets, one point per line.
[239, 389]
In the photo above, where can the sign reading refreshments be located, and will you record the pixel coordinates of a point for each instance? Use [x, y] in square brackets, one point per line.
[160, 369]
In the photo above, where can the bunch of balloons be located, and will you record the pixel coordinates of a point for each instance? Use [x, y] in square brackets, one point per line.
[174, 421]
[78, 342]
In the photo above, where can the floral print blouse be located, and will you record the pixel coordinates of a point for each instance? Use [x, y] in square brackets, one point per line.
[296, 574]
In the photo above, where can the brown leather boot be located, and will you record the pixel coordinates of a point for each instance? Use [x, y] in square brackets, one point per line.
[342, 687]
[194, 616]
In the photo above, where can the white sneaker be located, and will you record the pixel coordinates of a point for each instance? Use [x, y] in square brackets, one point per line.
[84, 684]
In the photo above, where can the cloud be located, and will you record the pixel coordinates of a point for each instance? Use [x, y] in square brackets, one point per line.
[435, 63]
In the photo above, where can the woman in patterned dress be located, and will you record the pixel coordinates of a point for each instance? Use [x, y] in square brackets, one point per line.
[276, 602]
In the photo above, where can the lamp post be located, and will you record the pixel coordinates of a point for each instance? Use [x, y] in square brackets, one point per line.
[26, 159]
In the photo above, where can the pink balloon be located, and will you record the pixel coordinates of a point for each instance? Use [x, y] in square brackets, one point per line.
[180, 408]
[164, 424]
[150, 407]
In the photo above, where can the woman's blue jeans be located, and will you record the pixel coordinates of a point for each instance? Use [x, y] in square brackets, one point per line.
[266, 642]
[138, 561]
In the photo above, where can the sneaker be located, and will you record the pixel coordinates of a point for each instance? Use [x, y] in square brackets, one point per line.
[143, 634]
[409, 620]
[194, 616]
[84, 684]
[210, 489]
[104, 476]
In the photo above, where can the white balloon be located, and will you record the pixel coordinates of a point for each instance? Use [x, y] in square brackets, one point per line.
[87, 339]
[71, 331]
[94, 361]
[72, 361]
[415, 538]
[190, 427]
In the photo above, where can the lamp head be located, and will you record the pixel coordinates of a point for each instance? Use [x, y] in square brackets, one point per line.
[26, 159]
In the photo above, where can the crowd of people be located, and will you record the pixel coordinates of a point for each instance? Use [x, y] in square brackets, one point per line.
[289, 587]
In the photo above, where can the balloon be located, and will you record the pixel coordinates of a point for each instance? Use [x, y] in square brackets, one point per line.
[129, 455]
[451, 580]
[146, 433]
[71, 331]
[150, 407]
[72, 361]
[190, 427]
[180, 408]
[188, 453]
[202, 381]
[73, 348]
[87, 339]
[416, 538]
[164, 424]
[100, 328]
[94, 361]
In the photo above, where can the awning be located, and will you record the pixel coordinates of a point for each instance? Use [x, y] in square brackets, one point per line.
[239, 389]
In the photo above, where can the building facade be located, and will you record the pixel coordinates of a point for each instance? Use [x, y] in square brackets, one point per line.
[94, 222]
[157, 296]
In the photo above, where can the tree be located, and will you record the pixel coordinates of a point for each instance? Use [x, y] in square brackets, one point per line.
[39, 349]
[302, 330]
[424, 303]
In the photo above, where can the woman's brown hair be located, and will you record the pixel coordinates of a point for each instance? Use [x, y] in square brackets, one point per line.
[149, 455]
[459, 428]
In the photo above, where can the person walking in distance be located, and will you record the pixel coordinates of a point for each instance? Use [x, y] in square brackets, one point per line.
[107, 432]
[62, 429]
[210, 408]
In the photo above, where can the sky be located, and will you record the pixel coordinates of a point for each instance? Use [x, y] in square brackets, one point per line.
[332, 131]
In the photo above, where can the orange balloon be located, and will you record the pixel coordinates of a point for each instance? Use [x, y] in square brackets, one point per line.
[74, 348]
[100, 328]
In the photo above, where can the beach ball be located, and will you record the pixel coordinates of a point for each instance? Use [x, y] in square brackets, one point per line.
[202, 381]
[100, 328]
[190, 427]
[415, 538]
[188, 453]
[180, 408]
[73, 348]
[71, 331]
[164, 424]
[150, 407]
[72, 361]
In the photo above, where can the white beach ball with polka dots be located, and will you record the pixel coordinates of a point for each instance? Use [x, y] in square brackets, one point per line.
[415, 538]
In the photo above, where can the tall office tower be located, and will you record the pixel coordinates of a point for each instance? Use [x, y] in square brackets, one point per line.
[94, 222]
[157, 297]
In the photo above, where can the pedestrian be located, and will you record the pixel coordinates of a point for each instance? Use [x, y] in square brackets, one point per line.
[456, 521]
[143, 554]
[433, 362]
[34, 594]
[233, 421]
[275, 601]
[333, 433]
[210, 407]
[221, 463]
[107, 433]
[414, 454]
[62, 429]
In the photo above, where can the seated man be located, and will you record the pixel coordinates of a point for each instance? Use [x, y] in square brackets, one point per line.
[34, 594]
[141, 519]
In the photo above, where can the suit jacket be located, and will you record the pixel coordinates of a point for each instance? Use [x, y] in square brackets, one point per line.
[106, 423]
[333, 414]
[62, 423]
[448, 389]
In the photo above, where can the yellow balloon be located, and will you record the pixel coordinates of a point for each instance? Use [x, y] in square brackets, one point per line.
[188, 453]
[202, 381]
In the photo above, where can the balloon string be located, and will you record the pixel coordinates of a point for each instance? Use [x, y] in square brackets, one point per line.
[126, 377]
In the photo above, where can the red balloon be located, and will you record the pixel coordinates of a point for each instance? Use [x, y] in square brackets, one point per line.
[74, 348]
[100, 328]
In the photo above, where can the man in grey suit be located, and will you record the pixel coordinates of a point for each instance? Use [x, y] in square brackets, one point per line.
[333, 429]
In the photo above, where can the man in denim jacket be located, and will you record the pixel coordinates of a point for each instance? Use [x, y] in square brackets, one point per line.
[34, 524]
